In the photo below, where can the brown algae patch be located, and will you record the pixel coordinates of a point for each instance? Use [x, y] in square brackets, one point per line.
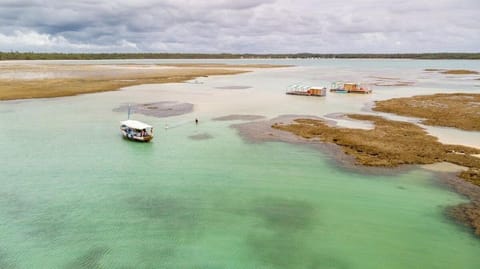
[390, 143]
[158, 109]
[459, 110]
[459, 72]
[289, 224]
[465, 213]
[202, 136]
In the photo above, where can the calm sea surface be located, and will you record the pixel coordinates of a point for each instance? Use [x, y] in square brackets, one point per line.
[74, 194]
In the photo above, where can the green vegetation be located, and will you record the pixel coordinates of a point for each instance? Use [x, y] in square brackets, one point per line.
[102, 56]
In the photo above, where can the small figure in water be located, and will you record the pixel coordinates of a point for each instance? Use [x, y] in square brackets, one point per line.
[196, 121]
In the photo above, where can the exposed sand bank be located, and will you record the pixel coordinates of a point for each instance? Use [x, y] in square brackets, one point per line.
[459, 110]
[44, 80]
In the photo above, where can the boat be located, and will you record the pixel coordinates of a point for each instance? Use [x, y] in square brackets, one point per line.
[136, 130]
[306, 90]
[350, 87]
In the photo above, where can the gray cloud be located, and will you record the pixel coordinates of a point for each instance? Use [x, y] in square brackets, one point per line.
[272, 26]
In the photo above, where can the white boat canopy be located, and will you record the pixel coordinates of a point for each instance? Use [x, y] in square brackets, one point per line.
[134, 124]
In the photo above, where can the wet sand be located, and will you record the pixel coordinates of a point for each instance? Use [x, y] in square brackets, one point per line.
[239, 117]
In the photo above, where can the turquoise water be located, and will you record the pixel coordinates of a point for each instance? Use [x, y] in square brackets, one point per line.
[74, 194]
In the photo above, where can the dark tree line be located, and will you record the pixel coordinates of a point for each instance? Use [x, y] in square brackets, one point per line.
[113, 56]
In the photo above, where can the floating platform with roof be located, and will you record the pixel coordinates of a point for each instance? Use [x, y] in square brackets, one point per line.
[349, 87]
[305, 90]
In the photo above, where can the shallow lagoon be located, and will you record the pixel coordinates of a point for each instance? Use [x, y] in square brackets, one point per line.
[76, 195]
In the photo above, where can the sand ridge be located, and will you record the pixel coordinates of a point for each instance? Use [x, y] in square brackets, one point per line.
[50, 80]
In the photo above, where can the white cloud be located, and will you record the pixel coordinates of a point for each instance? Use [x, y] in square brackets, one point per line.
[33, 41]
[257, 26]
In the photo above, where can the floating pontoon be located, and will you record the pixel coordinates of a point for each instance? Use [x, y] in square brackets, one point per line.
[340, 87]
[306, 90]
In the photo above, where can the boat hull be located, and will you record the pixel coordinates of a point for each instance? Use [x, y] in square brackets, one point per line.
[133, 137]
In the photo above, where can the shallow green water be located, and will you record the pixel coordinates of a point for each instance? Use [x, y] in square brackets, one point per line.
[74, 194]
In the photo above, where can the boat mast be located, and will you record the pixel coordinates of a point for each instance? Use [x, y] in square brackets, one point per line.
[128, 112]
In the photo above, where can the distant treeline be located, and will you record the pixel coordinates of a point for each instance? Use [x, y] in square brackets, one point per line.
[105, 56]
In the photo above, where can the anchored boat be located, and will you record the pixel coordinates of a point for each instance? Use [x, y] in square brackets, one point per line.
[136, 130]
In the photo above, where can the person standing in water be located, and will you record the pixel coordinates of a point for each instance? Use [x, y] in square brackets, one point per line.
[196, 121]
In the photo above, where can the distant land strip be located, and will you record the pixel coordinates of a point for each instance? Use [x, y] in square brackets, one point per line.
[113, 56]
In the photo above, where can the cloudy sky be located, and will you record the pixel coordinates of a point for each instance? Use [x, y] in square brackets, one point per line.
[240, 26]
